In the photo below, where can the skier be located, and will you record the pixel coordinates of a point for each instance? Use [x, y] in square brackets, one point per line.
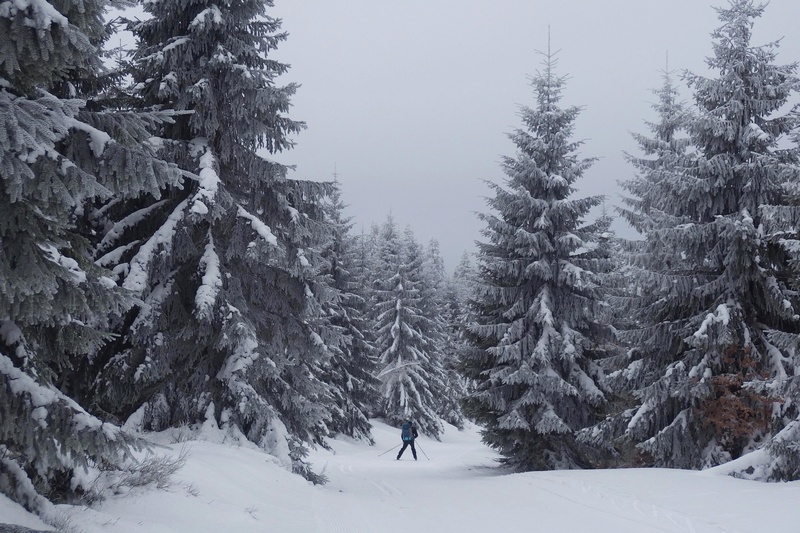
[408, 433]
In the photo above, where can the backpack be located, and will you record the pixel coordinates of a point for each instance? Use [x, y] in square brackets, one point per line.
[406, 433]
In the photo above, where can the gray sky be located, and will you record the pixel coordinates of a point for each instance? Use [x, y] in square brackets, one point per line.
[410, 101]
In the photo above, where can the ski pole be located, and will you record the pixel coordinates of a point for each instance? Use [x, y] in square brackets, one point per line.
[387, 451]
[423, 452]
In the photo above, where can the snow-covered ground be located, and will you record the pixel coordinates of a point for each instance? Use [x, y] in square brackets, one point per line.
[456, 488]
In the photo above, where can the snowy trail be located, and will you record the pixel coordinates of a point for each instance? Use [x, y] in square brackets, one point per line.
[229, 488]
[459, 489]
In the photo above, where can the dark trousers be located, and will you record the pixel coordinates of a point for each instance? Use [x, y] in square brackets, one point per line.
[405, 445]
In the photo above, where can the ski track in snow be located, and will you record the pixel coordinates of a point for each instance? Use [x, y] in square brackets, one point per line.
[622, 506]
[462, 484]
[338, 515]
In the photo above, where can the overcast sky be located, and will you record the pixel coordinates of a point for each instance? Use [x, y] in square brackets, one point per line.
[410, 101]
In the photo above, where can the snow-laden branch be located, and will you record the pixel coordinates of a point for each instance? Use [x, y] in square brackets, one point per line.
[74, 270]
[208, 182]
[211, 283]
[39, 14]
[136, 280]
[98, 139]
[262, 229]
[721, 315]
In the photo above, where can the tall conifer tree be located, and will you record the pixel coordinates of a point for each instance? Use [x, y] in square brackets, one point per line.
[713, 287]
[225, 266]
[442, 305]
[408, 371]
[62, 152]
[781, 460]
[665, 152]
[533, 339]
[352, 365]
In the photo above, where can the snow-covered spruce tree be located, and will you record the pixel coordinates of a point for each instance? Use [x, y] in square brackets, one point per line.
[365, 246]
[363, 268]
[226, 265]
[780, 460]
[460, 308]
[421, 265]
[463, 278]
[533, 340]
[665, 151]
[608, 261]
[434, 279]
[408, 368]
[618, 289]
[440, 302]
[61, 152]
[350, 371]
[714, 287]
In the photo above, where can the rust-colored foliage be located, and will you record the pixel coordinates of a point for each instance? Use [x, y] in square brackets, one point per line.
[735, 414]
